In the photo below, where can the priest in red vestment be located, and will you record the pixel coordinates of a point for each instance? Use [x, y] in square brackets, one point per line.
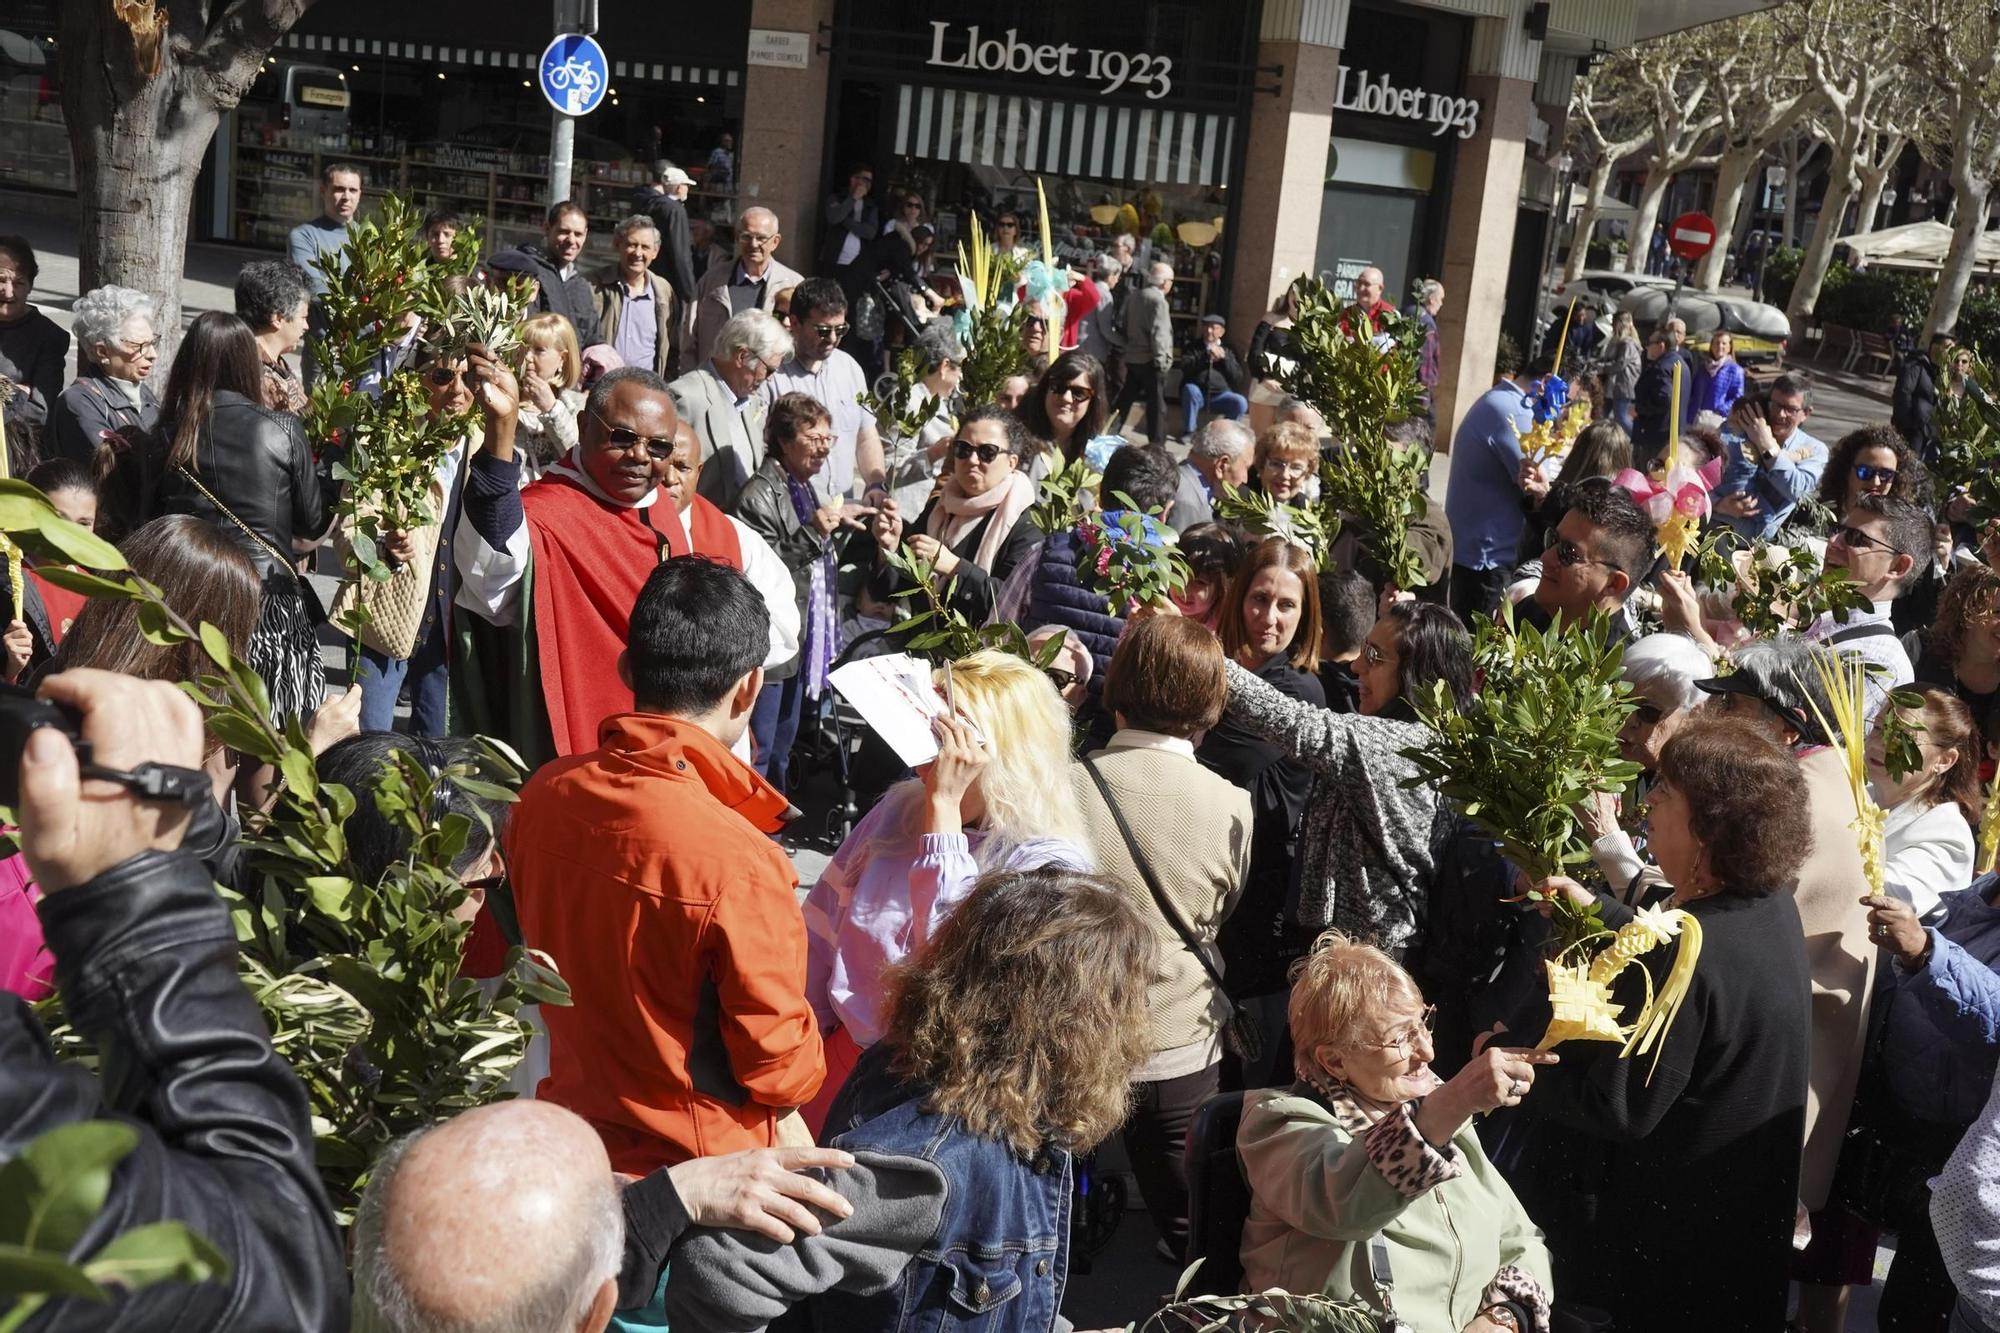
[554, 569]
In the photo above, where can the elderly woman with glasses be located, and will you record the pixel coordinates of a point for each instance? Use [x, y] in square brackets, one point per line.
[1287, 463]
[976, 529]
[778, 504]
[1366, 1178]
[109, 405]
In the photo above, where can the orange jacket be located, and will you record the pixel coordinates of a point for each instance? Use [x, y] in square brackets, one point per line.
[642, 868]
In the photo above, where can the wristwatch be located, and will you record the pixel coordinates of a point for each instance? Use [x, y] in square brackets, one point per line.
[1504, 1316]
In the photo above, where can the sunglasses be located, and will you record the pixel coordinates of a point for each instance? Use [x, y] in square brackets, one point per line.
[832, 333]
[1077, 393]
[1854, 539]
[439, 376]
[1569, 555]
[965, 449]
[624, 439]
[1061, 677]
[1865, 473]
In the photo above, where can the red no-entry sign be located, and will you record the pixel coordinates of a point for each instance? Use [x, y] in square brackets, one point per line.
[1691, 236]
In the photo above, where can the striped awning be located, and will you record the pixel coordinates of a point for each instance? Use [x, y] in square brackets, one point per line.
[488, 58]
[1086, 140]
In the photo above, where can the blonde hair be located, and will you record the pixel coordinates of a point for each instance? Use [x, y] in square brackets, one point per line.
[1025, 1014]
[1026, 784]
[1287, 439]
[550, 330]
[1339, 987]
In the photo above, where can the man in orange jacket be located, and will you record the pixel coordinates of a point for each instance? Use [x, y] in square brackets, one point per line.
[643, 868]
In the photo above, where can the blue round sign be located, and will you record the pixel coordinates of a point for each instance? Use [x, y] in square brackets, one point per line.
[574, 74]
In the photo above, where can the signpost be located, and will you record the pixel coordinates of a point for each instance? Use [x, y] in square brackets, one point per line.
[1691, 236]
[574, 75]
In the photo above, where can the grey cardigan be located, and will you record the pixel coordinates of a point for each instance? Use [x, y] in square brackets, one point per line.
[1366, 860]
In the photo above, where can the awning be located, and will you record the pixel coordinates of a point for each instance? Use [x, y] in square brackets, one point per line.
[1087, 140]
[475, 57]
[1916, 245]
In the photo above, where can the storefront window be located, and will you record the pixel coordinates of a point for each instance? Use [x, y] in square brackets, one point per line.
[34, 142]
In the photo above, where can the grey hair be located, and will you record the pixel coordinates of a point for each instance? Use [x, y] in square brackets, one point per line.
[758, 210]
[560, 1301]
[102, 314]
[636, 222]
[1429, 288]
[1785, 674]
[1106, 266]
[939, 344]
[599, 401]
[1667, 667]
[755, 332]
[1160, 271]
[1223, 438]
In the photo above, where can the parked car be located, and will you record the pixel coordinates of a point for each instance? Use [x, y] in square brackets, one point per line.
[1606, 287]
[1761, 331]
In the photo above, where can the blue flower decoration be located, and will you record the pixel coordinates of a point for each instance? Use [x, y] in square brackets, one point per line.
[1553, 399]
[1097, 452]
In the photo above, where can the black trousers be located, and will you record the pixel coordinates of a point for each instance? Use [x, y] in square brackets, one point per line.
[1154, 1137]
[1143, 380]
[1478, 592]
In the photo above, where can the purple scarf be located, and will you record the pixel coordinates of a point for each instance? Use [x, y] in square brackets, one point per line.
[817, 640]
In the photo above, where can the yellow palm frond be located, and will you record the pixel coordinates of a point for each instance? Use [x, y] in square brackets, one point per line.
[1846, 682]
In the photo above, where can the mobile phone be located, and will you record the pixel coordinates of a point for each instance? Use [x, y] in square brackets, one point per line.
[950, 694]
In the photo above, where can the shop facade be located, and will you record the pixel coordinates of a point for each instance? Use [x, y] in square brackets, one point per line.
[1130, 114]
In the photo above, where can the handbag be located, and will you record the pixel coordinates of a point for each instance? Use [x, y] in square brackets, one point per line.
[1878, 1178]
[1243, 1034]
[396, 605]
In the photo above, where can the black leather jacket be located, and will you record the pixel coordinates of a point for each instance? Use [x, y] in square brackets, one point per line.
[764, 506]
[146, 963]
[255, 461]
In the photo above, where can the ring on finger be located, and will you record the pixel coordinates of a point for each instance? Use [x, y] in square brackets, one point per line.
[1518, 1089]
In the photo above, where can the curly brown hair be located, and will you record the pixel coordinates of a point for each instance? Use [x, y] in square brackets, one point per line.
[1746, 802]
[1973, 591]
[1025, 1015]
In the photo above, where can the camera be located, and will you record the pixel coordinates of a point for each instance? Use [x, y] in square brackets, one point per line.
[20, 713]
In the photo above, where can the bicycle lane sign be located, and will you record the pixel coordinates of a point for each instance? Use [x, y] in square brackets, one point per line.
[575, 74]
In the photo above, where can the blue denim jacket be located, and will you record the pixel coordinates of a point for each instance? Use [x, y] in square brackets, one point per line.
[1000, 1257]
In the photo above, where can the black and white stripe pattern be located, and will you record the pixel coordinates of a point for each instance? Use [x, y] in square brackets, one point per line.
[485, 58]
[284, 650]
[1088, 140]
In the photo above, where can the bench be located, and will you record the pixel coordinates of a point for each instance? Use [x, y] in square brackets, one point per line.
[1873, 349]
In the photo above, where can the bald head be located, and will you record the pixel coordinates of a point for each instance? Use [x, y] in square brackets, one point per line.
[1368, 286]
[503, 1220]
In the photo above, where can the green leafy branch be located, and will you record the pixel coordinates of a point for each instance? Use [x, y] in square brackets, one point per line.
[1313, 526]
[1775, 588]
[993, 350]
[1968, 425]
[1538, 740]
[359, 978]
[50, 1193]
[941, 633]
[902, 410]
[1060, 504]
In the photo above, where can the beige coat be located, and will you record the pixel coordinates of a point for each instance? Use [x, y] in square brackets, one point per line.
[1842, 964]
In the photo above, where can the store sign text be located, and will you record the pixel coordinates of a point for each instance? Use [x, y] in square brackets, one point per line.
[1111, 70]
[1444, 112]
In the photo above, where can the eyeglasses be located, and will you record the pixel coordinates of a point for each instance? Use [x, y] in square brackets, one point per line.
[832, 333]
[1783, 409]
[1061, 677]
[1569, 555]
[1372, 655]
[1077, 393]
[759, 239]
[1287, 467]
[623, 439]
[1408, 1037]
[1854, 539]
[139, 348]
[965, 449]
[1865, 474]
[440, 376]
[822, 441]
[1647, 715]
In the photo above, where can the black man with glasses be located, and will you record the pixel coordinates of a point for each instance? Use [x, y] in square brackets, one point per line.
[820, 369]
[1770, 463]
[553, 570]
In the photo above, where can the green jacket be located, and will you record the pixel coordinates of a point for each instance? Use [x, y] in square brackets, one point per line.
[1323, 1179]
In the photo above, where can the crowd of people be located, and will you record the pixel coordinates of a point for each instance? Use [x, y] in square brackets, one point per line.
[1173, 868]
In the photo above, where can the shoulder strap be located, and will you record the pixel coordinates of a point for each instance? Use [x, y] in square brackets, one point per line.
[1145, 869]
[1853, 632]
[230, 514]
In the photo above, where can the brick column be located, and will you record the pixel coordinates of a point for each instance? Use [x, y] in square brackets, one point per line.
[1479, 234]
[784, 130]
[1284, 166]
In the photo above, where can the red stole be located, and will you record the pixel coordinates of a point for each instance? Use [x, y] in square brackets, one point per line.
[590, 561]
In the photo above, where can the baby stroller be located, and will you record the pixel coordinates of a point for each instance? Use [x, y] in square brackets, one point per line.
[840, 742]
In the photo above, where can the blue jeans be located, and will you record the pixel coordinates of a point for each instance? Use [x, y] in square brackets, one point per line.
[422, 673]
[1620, 411]
[774, 725]
[1231, 406]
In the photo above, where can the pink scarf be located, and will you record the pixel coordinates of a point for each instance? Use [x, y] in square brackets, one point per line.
[955, 514]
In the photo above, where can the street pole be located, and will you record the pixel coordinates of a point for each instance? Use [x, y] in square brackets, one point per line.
[570, 16]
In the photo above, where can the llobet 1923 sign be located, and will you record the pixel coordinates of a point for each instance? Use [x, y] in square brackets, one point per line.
[1008, 54]
[1374, 95]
